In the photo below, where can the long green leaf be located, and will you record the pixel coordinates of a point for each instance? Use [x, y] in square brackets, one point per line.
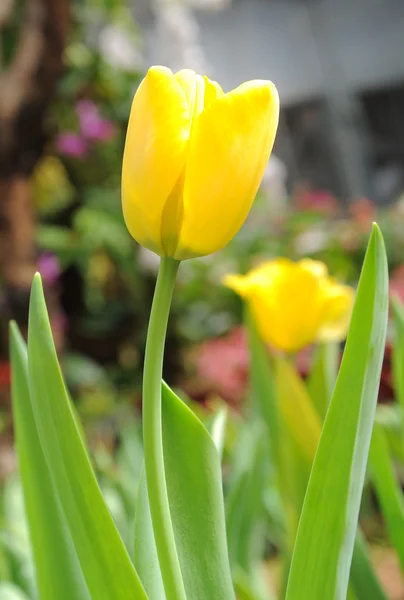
[388, 490]
[244, 502]
[293, 459]
[398, 355]
[58, 571]
[266, 404]
[8, 591]
[104, 560]
[323, 375]
[325, 540]
[146, 559]
[296, 408]
[218, 430]
[364, 581]
[194, 485]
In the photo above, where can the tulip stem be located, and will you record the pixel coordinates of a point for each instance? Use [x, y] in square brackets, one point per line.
[152, 432]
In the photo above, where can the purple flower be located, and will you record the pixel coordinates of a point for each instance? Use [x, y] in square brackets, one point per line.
[71, 144]
[49, 267]
[92, 125]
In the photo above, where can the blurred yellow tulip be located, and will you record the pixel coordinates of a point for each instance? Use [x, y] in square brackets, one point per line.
[295, 303]
[194, 159]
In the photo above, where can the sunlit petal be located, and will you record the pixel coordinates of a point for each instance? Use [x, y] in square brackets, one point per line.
[155, 154]
[338, 307]
[229, 150]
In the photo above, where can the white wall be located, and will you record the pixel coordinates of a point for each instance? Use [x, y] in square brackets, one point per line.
[273, 39]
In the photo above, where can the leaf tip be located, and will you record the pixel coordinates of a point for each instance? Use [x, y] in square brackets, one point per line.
[37, 281]
[16, 339]
[13, 328]
[37, 295]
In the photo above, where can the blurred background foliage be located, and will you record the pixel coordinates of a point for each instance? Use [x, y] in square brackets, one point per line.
[61, 204]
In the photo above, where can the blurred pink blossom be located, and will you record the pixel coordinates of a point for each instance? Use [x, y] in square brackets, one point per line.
[397, 283]
[71, 144]
[222, 364]
[49, 267]
[92, 125]
[363, 212]
[319, 201]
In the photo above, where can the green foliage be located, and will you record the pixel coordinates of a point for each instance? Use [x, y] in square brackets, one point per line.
[324, 545]
[104, 561]
[58, 570]
[197, 508]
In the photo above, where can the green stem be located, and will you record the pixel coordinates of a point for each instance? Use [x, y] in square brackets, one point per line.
[152, 432]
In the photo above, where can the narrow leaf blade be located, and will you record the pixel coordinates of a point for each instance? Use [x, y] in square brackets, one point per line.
[388, 490]
[324, 545]
[364, 581]
[194, 485]
[58, 570]
[105, 563]
[146, 558]
[323, 374]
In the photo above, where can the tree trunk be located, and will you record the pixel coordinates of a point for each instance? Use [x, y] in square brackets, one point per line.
[27, 87]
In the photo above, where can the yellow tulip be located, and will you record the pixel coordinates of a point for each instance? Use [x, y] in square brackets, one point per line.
[194, 159]
[295, 303]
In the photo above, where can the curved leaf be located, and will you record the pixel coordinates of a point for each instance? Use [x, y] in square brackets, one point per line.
[364, 581]
[58, 570]
[388, 490]
[145, 555]
[325, 540]
[296, 408]
[194, 484]
[104, 560]
[323, 375]
[8, 591]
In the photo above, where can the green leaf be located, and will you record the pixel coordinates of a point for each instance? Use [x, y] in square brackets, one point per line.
[266, 405]
[364, 581]
[194, 484]
[244, 502]
[145, 555]
[322, 376]
[390, 419]
[293, 460]
[218, 430]
[282, 449]
[398, 353]
[104, 560]
[388, 490]
[325, 540]
[58, 571]
[296, 408]
[8, 591]
[251, 587]
[263, 391]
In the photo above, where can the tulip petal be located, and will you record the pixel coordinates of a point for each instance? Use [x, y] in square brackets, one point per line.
[194, 89]
[318, 268]
[295, 304]
[338, 306]
[212, 91]
[200, 91]
[288, 311]
[155, 154]
[229, 150]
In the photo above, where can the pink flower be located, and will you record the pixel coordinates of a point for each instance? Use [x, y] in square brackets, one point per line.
[397, 283]
[71, 144]
[92, 125]
[222, 364]
[319, 201]
[364, 213]
[49, 267]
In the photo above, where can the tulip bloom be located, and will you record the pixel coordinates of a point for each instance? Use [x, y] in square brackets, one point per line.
[295, 304]
[194, 159]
